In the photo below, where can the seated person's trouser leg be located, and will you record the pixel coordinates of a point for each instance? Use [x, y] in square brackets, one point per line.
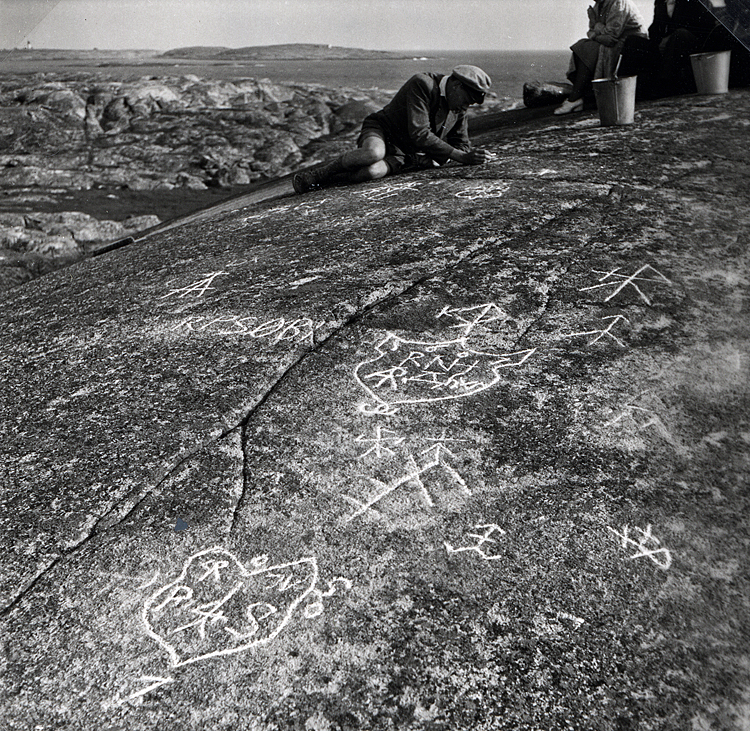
[675, 70]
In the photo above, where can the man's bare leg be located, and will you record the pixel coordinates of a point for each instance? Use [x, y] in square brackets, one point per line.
[365, 163]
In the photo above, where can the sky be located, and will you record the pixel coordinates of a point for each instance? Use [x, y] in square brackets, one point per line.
[376, 24]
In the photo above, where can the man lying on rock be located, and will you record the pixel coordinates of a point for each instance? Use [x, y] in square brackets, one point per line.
[425, 124]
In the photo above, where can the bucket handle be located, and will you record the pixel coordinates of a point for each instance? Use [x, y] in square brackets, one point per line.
[617, 68]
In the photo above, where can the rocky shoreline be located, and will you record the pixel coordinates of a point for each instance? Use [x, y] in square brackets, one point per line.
[156, 135]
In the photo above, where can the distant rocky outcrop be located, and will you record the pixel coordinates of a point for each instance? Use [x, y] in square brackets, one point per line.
[164, 133]
[151, 134]
[284, 51]
[37, 243]
[85, 132]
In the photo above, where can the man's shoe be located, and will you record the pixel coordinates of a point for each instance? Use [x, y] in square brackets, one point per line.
[318, 177]
[567, 107]
[305, 182]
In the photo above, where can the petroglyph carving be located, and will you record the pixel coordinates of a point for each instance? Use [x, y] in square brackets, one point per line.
[481, 539]
[471, 317]
[387, 190]
[646, 545]
[485, 190]
[380, 442]
[155, 681]
[416, 372]
[199, 288]
[307, 207]
[605, 332]
[445, 438]
[300, 330]
[436, 461]
[217, 606]
[264, 214]
[646, 273]
[642, 419]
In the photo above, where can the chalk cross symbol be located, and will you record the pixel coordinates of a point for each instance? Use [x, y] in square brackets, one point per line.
[659, 555]
[470, 317]
[413, 476]
[481, 538]
[201, 286]
[379, 442]
[445, 438]
[606, 332]
[620, 281]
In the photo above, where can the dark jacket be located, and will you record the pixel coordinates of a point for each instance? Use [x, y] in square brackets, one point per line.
[409, 120]
[688, 14]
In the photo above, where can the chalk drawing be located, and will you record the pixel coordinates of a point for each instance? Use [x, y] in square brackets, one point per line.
[218, 607]
[200, 287]
[387, 190]
[604, 332]
[660, 556]
[412, 478]
[156, 682]
[308, 207]
[486, 190]
[315, 608]
[642, 419]
[264, 214]
[481, 539]
[380, 442]
[151, 582]
[299, 330]
[621, 281]
[553, 624]
[417, 372]
[470, 317]
[445, 438]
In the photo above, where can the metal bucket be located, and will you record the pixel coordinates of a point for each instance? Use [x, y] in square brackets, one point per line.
[615, 100]
[711, 72]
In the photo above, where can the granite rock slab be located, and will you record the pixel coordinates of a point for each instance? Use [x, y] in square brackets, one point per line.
[462, 449]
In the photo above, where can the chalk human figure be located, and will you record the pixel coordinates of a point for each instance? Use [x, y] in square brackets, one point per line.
[425, 124]
[611, 22]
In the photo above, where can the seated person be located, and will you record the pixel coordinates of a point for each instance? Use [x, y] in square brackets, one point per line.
[596, 56]
[681, 28]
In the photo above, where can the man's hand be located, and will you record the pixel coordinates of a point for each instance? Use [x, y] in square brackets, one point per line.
[475, 157]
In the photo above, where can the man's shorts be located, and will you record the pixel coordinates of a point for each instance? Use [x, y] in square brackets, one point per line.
[395, 158]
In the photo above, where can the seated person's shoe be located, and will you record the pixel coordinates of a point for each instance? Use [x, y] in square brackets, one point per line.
[567, 107]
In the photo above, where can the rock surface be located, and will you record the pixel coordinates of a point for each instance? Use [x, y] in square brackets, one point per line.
[158, 135]
[465, 449]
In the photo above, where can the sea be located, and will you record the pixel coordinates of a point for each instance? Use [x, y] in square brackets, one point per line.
[509, 70]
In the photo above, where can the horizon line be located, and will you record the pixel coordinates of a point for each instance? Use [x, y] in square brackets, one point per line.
[408, 51]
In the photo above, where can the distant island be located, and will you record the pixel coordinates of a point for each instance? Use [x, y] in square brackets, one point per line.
[282, 52]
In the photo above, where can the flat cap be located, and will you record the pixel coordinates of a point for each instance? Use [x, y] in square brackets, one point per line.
[474, 79]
